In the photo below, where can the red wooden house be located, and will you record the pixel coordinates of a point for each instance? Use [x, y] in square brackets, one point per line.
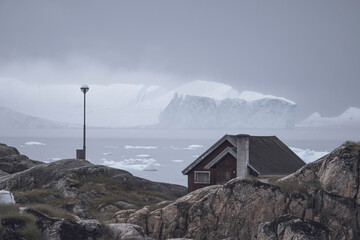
[242, 156]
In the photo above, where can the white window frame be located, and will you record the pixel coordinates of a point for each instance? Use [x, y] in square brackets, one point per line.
[201, 182]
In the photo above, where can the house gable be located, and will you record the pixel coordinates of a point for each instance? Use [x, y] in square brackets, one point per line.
[200, 167]
[228, 150]
[210, 151]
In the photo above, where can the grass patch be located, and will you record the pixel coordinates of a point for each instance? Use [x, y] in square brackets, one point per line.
[111, 191]
[29, 230]
[41, 195]
[52, 212]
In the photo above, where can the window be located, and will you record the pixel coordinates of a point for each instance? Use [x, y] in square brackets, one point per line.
[226, 175]
[202, 177]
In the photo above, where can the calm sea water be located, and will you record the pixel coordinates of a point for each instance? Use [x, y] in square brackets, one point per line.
[166, 151]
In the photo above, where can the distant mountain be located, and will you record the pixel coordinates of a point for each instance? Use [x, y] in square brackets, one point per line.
[349, 118]
[10, 119]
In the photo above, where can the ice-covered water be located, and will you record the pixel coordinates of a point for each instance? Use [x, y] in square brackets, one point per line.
[155, 154]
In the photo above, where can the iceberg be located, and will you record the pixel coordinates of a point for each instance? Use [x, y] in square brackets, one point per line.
[204, 112]
[308, 155]
[349, 118]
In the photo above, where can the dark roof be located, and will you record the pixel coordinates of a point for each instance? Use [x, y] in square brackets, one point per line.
[270, 156]
[267, 155]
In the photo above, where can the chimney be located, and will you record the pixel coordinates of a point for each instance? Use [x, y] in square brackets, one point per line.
[242, 156]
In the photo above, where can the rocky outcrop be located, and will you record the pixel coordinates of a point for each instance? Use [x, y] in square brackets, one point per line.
[321, 199]
[289, 227]
[337, 173]
[128, 231]
[60, 174]
[11, 161]
[66, 229]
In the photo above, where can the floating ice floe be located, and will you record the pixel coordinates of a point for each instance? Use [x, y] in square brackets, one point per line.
[194, 146]
[143, 156]
[178, 161]
[308, 155]
[107, 153]
[140, 147]
[150, 167]
[133, 164]
[52, 159]
[34, 144]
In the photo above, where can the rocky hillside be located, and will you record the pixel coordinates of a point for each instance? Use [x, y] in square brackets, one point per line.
[319, 201]
[72, 196]
[11, 161]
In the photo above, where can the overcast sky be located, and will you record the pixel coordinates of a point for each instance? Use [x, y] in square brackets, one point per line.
[307, 51]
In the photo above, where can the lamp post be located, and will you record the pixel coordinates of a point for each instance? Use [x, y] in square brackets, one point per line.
[84, 88]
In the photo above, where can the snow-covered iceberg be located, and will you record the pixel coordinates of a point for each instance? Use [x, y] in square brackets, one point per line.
[349, 118]
[233, 110]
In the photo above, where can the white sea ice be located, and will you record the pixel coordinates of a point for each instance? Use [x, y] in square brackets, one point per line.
[149, 167]
[34, 144]
[194, 146]
[52, 159]
[140, 147]
[178, 161]
[308, 155]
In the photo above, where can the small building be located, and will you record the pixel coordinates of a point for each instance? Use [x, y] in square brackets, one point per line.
[242, 156]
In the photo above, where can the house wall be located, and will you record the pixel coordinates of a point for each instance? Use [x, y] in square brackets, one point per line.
[228, 163]
[201, 167]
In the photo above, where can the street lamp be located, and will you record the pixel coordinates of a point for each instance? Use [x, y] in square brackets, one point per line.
[81, 154]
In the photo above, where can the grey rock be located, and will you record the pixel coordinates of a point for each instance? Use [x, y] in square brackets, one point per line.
[2, 173]
[108, 207]
[11, 161]
[10, 234]
[57, 175]
[125, 205]
[23, 200]
[6, 150]
[81, 209]
[94, 228]
[125, 231]
[59, 228]
[289, 227]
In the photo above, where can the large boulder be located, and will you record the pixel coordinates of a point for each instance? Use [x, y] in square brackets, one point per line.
[58, 175]
[124, 231]
[336, 173]
[325, 192]
[289, 227]
[6, 150]
[11, 161]
[60, 228]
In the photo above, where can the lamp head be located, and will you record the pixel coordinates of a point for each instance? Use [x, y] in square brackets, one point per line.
[84, 88]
